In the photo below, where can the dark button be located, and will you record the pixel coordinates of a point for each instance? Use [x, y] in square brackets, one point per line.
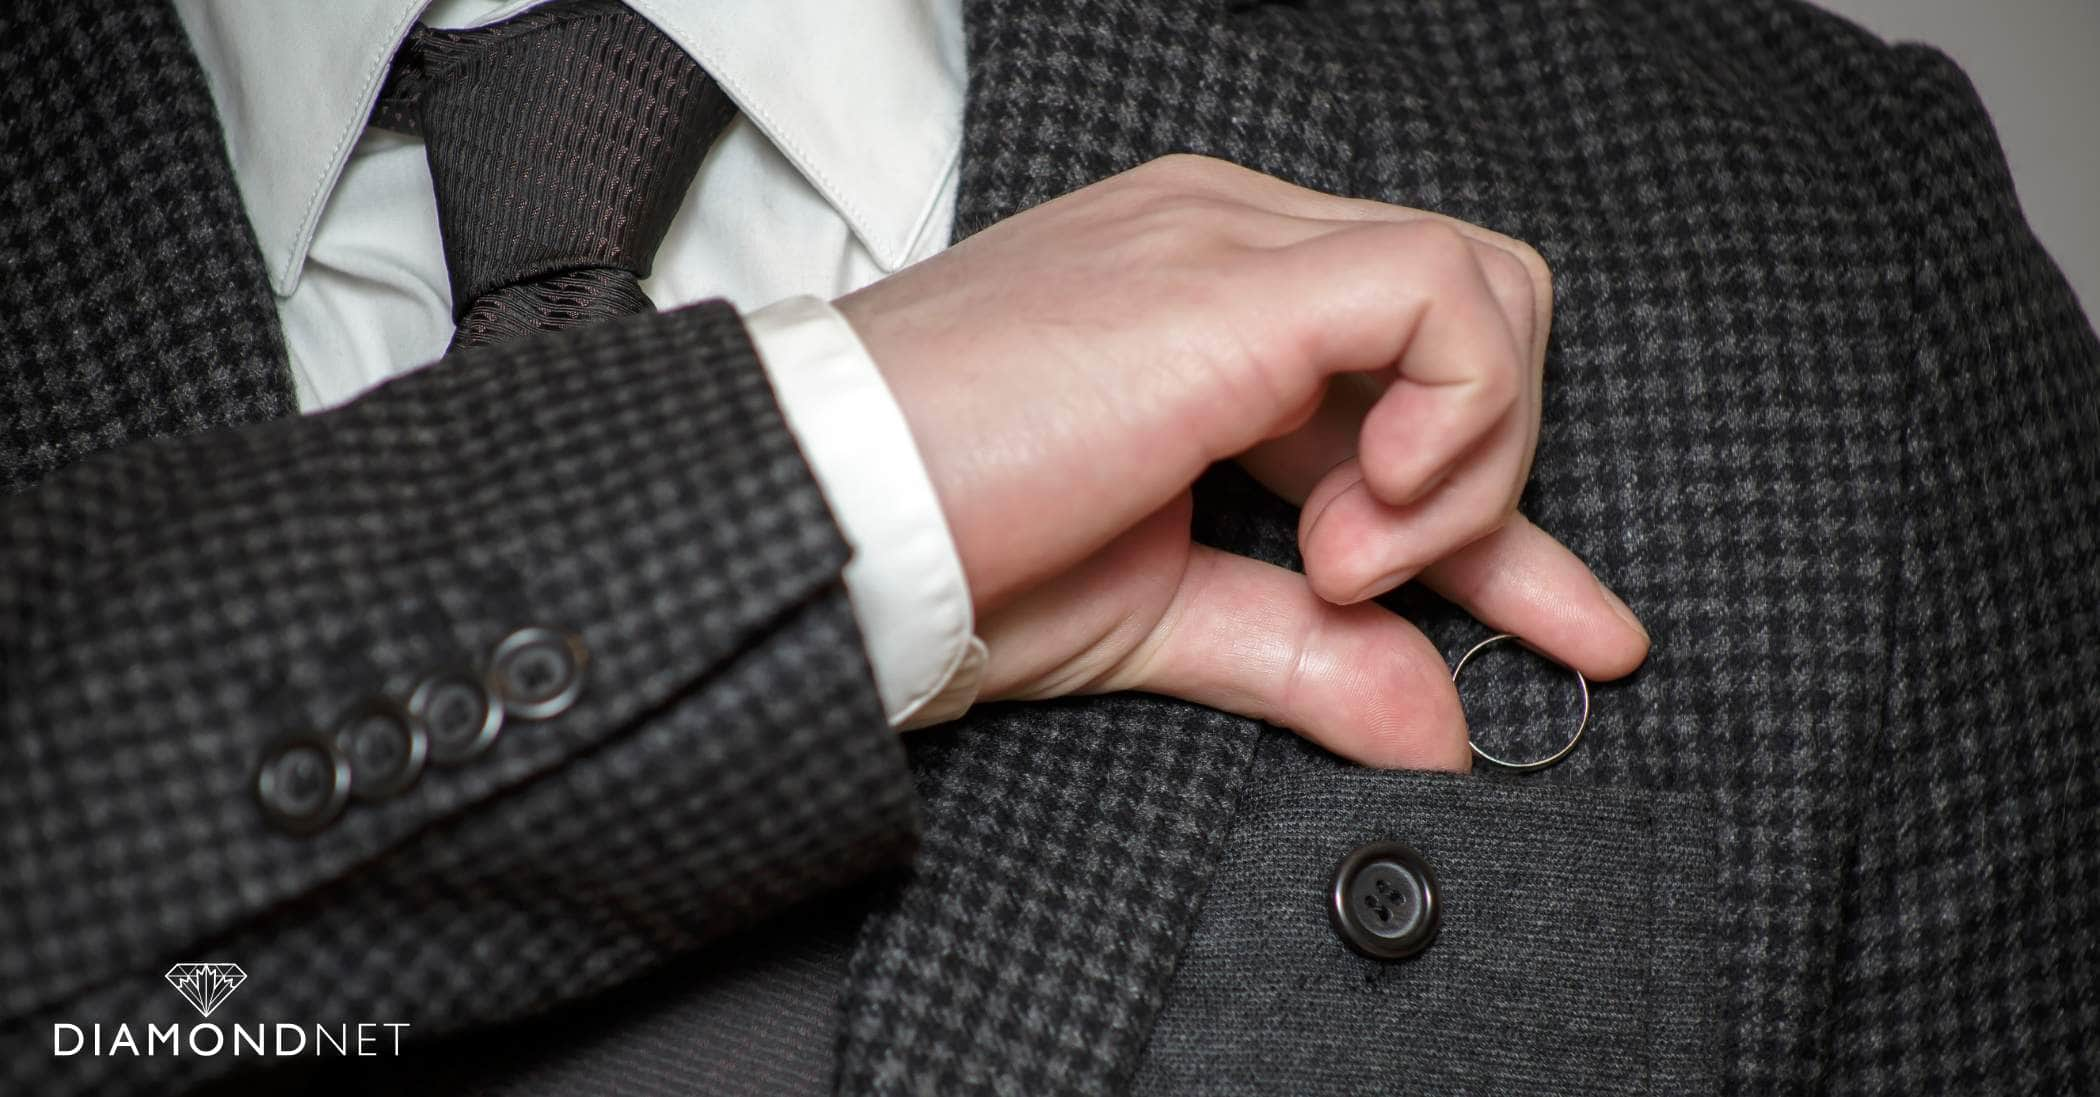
[303, 783]
[386, 747]
[1383, 901]
[538, 672]
[460, 714]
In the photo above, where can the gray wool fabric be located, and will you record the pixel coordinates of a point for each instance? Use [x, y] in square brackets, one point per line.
[1817, 404]
[729, 755]
[132, 297]
[1576, 955]
[169, 610]
[754, 1015]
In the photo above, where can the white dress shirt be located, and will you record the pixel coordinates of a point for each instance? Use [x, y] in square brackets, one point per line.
[840, 169]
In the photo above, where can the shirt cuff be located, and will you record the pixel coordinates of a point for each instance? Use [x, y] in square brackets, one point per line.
[905, 580]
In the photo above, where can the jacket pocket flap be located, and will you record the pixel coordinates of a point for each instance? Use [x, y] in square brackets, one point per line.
[1573, 954]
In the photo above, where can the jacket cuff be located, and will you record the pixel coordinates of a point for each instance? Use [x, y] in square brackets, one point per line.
[631, 485]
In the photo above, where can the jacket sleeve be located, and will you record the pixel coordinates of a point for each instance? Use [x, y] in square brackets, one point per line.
[176, 615]
[1974, 962]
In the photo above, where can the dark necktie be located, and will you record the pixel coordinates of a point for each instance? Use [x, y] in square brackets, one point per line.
[561, 142]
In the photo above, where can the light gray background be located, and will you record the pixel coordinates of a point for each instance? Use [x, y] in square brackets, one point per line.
[2037, 65]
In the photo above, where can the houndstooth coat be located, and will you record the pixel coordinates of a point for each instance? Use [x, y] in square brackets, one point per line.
[1816, 402]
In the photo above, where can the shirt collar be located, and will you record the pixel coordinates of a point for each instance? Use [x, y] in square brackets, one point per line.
[865, 99]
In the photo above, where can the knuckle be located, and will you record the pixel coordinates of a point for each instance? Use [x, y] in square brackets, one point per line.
[1436, 245]
[1179, 194]
[1535, 267]
[1538, 277]
[1510, 278]
[1176, 227]
[1184, 170]
[1496, 387]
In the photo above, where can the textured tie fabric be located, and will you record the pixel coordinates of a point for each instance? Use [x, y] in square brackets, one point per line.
[561, 142]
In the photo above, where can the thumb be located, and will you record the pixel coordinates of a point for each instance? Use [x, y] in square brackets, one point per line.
[1252, 638]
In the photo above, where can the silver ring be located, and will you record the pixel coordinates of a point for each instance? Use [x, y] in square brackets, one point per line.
[1539, 763]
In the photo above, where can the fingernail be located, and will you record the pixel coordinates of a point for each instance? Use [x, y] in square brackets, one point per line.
[1384, 583]
[1624, 611]
[1424, 489]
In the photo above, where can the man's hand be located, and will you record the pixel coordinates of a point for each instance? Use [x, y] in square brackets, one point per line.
[1069, 372]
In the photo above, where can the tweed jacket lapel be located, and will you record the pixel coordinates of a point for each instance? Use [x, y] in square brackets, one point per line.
[1068, 846]
[120, 227]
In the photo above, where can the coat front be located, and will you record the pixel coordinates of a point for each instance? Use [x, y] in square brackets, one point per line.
[1816, 403]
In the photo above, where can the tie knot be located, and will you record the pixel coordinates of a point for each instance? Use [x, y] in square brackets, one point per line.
[561, 140]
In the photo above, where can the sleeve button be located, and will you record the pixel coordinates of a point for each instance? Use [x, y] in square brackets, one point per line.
[537, 673]
[386, 746]
[460, 714]
[303, 783]
[1383, 901]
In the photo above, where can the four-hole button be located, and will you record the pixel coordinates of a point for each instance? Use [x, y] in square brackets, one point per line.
[303, 783]
[1383, 901]
[538, 672]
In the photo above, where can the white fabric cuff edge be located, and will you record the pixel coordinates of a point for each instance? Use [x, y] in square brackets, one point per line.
[905, 581]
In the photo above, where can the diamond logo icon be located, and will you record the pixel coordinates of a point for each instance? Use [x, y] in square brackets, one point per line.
[206, 985]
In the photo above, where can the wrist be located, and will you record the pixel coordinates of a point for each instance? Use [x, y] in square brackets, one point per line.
[905, 581]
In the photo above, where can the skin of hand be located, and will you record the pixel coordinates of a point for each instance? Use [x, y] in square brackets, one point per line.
[1069, 372]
